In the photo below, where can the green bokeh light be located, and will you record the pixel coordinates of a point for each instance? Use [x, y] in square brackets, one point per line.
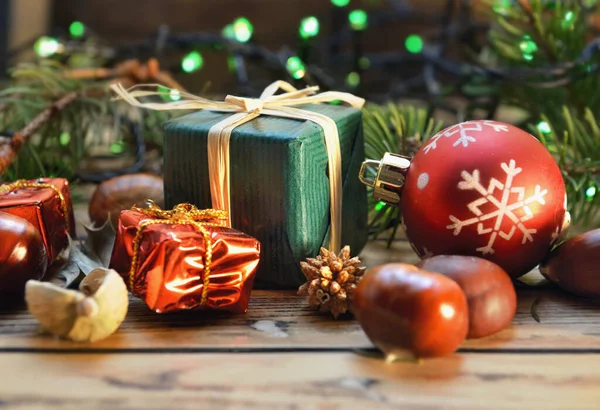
[544, 127]
[296, 67]
[379, 206]
[527, 57]
[528, 46]
[364, 63]
[502, 6]
[192, 62]
[175, 95]
[569, 16]
[590, 192]
[340, 3]
[231, 64]
[309, 27]
[568, 20]
[117, 147]
[358, 19]
[414, 44]
[164, 93]
[353, 79]
[77, 29]
[243, 29]
[46, 46]
[228, 32]
[64, 138]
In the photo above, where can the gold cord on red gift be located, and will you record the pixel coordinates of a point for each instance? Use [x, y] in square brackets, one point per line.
[182, 214]
[23, 184]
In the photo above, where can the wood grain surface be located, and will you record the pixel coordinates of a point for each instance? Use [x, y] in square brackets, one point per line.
[296, 381]
[283, 355]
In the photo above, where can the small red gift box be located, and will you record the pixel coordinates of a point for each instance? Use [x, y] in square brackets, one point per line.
[45, 203]
[185, 259]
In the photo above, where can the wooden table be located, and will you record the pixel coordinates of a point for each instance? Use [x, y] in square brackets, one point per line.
[282, 355]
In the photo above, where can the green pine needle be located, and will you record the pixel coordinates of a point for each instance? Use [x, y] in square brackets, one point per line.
[34, 87]
[397, 129]
[559, 32]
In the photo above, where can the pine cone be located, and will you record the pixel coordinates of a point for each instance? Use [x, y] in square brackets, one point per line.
[331, 281]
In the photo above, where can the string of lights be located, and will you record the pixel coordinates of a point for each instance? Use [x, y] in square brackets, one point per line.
[322, 61]
[427, 55]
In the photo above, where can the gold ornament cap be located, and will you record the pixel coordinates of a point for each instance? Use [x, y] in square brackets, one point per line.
[389, 179]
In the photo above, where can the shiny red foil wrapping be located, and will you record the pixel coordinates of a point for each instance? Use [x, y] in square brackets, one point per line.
[42, 207]
[169, 275]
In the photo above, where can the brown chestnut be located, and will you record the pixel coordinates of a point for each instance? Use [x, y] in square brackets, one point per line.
[408, 311]
[22, 256]
[573, 265]
[120, 193]
[490, 292]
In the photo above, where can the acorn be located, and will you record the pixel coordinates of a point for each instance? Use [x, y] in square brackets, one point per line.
[121, 193]
[408, 312]
[22, 257]
[573, 265]
[489, 290]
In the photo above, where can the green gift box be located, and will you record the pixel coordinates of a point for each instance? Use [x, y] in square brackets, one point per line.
[280, 192]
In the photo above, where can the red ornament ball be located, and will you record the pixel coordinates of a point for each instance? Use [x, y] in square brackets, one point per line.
[486, 189]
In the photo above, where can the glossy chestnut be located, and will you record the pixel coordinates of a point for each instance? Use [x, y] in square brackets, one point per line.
[573, 265]
[405, 310]
[22, 256]
[489, 290]
[121, 193]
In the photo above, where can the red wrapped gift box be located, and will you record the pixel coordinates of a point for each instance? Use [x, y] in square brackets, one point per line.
[45, 203]
[164, 257]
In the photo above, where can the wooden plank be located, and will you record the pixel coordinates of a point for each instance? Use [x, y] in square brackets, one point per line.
[298, 381]
[280, 319]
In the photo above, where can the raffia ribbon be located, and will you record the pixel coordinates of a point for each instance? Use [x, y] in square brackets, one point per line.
[182, 214]
[245, 110]
[23, 184]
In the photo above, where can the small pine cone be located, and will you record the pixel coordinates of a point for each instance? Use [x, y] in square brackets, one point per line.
[331, 281]
[336, 266]
[343, 277]
[326, 272]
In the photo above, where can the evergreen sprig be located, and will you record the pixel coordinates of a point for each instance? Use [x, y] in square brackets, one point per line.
[562, 114]
[91, 124]
[398, 129]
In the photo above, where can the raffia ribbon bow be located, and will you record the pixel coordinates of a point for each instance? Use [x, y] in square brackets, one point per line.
[182, 214]
[245, 110]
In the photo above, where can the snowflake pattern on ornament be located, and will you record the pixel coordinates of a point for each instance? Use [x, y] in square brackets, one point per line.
[465, 132]
[504, 207]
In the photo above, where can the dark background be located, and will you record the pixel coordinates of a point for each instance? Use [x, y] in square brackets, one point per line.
[4, 21]
[275, 23]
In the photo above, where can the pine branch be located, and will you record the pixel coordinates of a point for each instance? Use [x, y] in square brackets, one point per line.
[532, 33]
[398, 129]
[55, 138]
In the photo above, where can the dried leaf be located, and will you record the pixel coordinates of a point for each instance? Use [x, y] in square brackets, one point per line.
[85, 260]
[70, 272]
[86, 256]
[100, 241]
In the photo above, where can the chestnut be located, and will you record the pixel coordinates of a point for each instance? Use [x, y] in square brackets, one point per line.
[121, 193]
[573, 265]
[22, 256]
[490, 292]
[406, 311]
